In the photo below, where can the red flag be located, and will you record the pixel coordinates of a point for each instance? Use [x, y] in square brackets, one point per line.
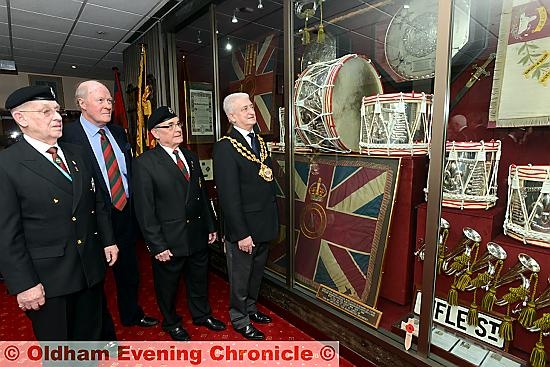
[119, 114]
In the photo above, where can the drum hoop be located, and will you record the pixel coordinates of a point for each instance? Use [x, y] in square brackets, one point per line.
[473, 146]
[395, 97]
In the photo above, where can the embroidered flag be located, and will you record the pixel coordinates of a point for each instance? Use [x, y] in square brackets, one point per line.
[254, 68]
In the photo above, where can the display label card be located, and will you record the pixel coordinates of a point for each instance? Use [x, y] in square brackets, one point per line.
[443, 339]
[352, 307]
[496, 360]
[469, 352]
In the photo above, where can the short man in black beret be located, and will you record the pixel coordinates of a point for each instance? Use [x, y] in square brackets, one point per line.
[177, 222]
[55, 232]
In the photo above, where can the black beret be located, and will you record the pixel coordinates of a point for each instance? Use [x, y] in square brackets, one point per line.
[159, 115]
[30, 93]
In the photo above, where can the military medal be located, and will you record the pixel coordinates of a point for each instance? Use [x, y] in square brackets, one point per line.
[265, 172]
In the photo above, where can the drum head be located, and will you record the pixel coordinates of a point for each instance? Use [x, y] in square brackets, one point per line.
[354, 80]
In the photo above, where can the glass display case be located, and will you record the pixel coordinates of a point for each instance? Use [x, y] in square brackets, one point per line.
[413, 181]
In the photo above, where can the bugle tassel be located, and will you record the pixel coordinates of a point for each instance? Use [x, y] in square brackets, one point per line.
[528, 313]
[538, 354]
[473, 317]
[452, 297]
[506, 330]
[466, 277]
[490, 297]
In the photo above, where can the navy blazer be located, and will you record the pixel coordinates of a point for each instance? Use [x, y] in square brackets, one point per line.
[173, 213]
[52, 230]
[247, 200]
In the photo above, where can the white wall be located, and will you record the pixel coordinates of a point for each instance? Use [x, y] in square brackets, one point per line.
[9, 83]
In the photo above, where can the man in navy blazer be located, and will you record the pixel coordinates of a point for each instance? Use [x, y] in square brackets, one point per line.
[96, 104]
[177, 223]
[244, 179]
[55, 234]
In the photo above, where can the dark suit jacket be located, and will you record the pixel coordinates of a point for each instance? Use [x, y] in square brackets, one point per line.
[247, 200]
[172, 213]
[52, 230]
[123, 226]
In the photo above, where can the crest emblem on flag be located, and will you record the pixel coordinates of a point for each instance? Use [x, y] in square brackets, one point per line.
[254, 70]
[343, 210]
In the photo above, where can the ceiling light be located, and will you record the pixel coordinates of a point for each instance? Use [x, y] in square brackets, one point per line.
[228, 46]
[199, 41]
[73, 66]
[406, 6]
[260, 5]
[234, 19]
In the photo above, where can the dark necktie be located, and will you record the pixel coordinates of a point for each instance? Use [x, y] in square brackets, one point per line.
[118, 195]
[180, 164]
[254, 144]
[57, 159]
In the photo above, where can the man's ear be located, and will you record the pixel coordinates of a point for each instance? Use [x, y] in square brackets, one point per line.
[19, 118]
[155, 133]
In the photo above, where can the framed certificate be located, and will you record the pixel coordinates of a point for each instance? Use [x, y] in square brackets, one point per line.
[200, 113]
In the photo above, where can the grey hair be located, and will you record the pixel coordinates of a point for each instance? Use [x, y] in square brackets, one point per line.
[228, 101]
[82, 90]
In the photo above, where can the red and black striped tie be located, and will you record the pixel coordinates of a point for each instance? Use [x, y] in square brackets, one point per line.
[57, 160]
[181, 165]
[118, 195]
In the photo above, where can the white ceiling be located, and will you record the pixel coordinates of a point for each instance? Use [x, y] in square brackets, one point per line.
[49, 36]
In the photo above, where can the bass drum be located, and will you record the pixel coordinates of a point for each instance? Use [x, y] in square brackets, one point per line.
[327, 102]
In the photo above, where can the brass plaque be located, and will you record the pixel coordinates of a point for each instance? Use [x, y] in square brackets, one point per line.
[352, 307]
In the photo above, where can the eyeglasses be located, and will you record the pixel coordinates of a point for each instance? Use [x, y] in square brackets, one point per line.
[108, 100]
[170, 126]
[49, 112]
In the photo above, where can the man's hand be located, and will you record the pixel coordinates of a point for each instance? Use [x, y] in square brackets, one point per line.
[212, 237]
[32, 298]
[111, 254]
[246, 244]
[164, 255]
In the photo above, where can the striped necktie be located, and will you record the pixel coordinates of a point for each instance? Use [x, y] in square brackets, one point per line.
[118, 195]
[57, 159]
[180, 164]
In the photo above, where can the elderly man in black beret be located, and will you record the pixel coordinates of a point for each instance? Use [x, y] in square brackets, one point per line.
[177, 223]
[55, 233]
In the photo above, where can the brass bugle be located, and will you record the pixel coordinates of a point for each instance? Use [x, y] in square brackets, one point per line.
[542, 301]
[469, 238]
[492, 254]
[525, 263]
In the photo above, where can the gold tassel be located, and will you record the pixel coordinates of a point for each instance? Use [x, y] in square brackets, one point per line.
[506, 330]
[528, 313]
[489, 299]
[306, 37]
[321, 32]
[452, 297]
[473, 317]
[538, 354]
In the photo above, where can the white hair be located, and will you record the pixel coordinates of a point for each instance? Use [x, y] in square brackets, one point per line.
[229, 101]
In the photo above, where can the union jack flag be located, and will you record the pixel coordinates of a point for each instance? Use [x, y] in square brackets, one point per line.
[343, 211]
[254, 70]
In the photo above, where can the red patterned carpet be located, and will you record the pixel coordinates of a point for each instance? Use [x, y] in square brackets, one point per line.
[14, 325]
